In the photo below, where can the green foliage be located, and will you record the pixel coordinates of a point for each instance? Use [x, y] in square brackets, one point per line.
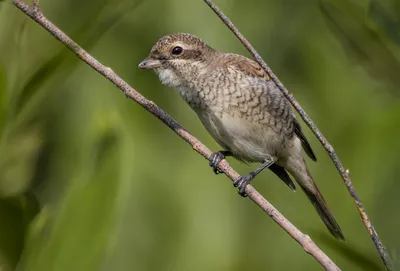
[91, 181]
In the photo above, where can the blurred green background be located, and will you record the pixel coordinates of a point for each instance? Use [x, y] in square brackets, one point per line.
[91, 181]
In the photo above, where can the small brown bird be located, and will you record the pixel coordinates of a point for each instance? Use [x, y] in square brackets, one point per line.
[242, 109]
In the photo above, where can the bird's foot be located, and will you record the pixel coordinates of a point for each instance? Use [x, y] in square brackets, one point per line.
[215, 158]
[241, 183]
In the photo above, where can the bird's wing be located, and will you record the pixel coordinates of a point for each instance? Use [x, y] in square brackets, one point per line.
[304, 142]
[253, 69]
[283, 175]
[247, 66]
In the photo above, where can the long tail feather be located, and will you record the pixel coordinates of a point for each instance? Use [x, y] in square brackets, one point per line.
[323, 211]
[298, 169]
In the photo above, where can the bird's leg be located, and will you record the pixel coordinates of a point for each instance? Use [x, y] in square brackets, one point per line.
[242, 181]
[216, 157]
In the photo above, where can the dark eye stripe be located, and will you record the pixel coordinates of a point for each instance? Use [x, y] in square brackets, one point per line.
[191, 54]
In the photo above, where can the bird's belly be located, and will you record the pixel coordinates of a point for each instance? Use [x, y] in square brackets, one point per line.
[249, 141]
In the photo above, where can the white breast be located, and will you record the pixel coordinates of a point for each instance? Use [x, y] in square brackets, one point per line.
[247, 140]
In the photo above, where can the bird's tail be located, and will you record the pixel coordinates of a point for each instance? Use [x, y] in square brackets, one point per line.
[314, 195]
[323, 211]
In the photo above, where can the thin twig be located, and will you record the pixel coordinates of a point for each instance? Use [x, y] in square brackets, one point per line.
[304, 240]
[343, 173]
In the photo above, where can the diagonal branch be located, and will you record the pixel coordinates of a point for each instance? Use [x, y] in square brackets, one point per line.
[329, 149]
[304, 240]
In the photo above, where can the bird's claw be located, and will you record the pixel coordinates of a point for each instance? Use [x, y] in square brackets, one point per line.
[241, 183]
[215, 158]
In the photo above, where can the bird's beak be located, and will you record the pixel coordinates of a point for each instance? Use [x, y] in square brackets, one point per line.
[150, 63]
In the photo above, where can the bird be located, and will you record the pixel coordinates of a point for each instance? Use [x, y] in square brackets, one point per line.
[242, 109]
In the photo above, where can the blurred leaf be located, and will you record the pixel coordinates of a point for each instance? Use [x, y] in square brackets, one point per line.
[15, 214]
[39, 77]
[63, 63]
[353, 254]
[11, 234]
[17, 168]
[386, 20]
[86, 216]
[362, 42]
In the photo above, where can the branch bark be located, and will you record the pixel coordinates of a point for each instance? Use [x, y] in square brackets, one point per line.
[329, 149]
[304, 240]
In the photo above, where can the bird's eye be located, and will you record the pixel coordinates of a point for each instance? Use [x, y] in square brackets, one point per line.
[177, 50]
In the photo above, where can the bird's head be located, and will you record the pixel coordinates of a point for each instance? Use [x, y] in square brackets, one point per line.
[178, 58]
